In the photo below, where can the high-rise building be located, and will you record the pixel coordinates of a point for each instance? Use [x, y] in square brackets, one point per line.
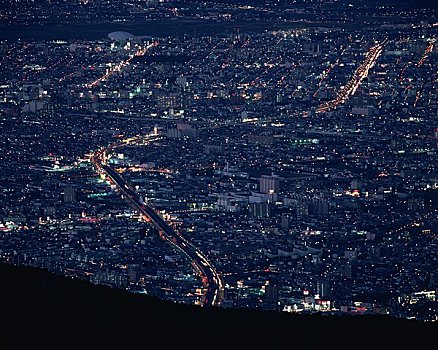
[69, 194]
[347, 270]
[50, 211]
[286, 220]
[318, 207]
[323, 288]
[259, 210]
[269, 184]
[271, 294]
[355, 184]
[169, 101]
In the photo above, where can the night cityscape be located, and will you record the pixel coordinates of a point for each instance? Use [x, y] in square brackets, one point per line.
[275, 155]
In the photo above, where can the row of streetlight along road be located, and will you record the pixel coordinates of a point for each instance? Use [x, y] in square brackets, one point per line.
[118, 67]
[359, 75]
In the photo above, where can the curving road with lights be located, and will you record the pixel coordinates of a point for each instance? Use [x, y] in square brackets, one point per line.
[211, 279]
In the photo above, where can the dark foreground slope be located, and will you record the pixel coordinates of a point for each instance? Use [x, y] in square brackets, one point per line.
[39, 308]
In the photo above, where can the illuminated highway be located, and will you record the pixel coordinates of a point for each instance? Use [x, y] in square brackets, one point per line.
[212, 281]
[359, 75]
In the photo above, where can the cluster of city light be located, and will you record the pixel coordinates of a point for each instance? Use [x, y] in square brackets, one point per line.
[118, 67]
[354, 83]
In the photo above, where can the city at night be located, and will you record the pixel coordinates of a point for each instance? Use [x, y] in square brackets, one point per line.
[236, 174]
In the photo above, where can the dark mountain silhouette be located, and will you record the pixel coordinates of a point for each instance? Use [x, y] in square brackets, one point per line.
[42, 309]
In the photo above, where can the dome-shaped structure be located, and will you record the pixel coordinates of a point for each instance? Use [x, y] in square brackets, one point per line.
[120, 36]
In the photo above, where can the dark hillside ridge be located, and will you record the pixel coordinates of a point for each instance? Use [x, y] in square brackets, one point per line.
[38, 307]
